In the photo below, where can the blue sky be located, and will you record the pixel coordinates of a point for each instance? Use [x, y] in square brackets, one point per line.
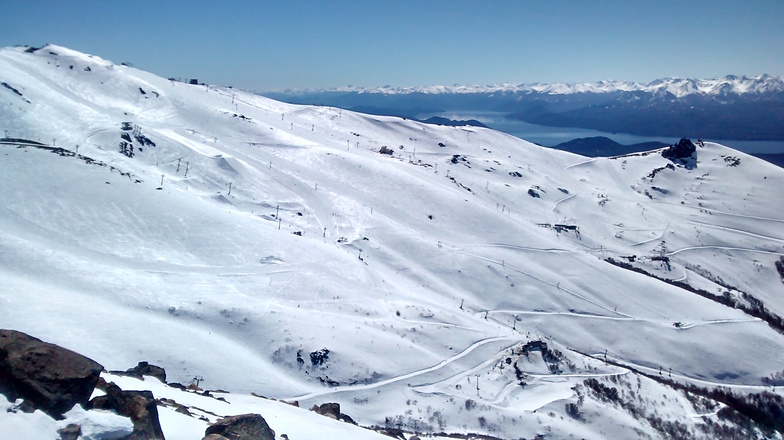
[268, 45]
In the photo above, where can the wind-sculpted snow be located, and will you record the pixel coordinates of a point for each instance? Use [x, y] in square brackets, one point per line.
[255, 233]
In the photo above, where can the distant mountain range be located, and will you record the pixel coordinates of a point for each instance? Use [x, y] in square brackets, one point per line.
[600, 146]
[679, 87]
[732, 107]
[433, 120]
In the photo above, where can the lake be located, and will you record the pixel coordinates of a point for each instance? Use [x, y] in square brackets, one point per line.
[550, 136]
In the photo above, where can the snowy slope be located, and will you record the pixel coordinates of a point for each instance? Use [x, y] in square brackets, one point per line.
[254, 233]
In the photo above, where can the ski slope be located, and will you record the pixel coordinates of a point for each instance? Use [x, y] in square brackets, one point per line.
[255, 230]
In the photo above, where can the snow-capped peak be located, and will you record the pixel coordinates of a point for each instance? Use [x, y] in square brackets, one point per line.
[680, 87]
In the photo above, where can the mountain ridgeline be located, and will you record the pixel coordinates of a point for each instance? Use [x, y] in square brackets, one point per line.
[733, 107]
[600, 146]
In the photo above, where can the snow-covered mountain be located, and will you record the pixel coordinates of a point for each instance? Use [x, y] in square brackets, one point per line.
[679, 87]
[733, 107]
[428, 278]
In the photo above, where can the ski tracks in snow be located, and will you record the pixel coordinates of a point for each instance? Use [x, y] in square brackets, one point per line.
[438, 366]
[724, 248]
[683, 377]
[557, 202]
[682, 326]
[739, 231]
[550, 283]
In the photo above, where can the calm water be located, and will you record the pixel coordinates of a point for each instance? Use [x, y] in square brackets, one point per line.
[550, 136]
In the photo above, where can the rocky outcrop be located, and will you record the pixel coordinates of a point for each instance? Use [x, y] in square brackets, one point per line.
[332, 410]
[241, 427]
[146, 369]
[48, 377]
[329, 409]
[70, 432]
[780, 268]
[682, 150]
[684, 153]
[140, 406]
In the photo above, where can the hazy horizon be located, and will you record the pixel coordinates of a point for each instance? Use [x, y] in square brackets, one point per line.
[319, 45]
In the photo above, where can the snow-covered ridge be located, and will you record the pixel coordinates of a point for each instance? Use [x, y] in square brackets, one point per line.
[680, 87]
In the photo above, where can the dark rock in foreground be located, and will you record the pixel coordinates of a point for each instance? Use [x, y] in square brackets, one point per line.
[140, 406]
[48, 377]
[241, 427]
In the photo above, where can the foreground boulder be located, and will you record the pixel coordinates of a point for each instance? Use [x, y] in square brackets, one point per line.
[140, 406]
[48, 377]
[241, 427]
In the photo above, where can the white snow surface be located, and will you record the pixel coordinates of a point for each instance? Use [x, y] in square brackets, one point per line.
[421, 272]
[95, 424]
